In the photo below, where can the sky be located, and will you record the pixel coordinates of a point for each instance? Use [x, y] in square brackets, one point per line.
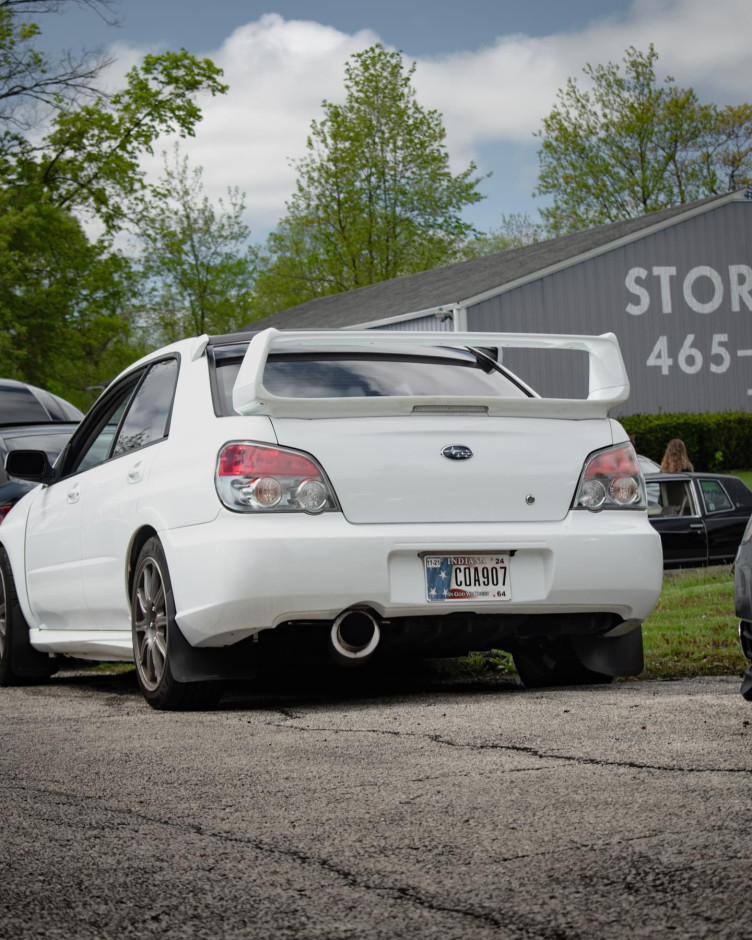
[490, 67]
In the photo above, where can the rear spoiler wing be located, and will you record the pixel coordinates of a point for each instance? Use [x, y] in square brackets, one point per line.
[608, 383]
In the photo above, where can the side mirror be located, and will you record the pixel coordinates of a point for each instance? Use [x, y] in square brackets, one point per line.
[31, 465]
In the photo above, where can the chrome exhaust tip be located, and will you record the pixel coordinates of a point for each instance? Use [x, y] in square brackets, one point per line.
[354, 636]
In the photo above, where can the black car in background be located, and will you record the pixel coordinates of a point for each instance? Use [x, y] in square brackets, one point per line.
[701, 517]
[51, 438]
[743, 603]
[30, 419]
[21, 403]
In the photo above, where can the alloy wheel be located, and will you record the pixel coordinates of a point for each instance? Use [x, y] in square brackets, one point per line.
[150, 625]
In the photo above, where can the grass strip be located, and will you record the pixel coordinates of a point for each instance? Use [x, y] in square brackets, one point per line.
[693, 630]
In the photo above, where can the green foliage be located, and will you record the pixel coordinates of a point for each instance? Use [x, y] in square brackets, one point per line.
[66, 317]
[91, 158]
[714, 441]
[197, 268]
[476, 665]
[627, 145]
[32, 82]
[375, 197]
[515, 231]
[63, 302]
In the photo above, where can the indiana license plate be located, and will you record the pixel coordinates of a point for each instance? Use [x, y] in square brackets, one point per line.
[468, 577]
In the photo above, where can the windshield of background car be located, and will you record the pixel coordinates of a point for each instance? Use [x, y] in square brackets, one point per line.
[351, 374]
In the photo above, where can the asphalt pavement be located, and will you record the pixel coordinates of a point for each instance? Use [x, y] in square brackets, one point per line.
[418, 809]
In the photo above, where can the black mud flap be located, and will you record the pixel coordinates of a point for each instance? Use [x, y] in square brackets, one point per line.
[25, 661]
[611, 656]
[193, 664]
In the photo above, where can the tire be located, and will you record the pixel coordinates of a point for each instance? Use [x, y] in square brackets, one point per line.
[152, 621]
[20, 663]
[745, 637]
[547, 661]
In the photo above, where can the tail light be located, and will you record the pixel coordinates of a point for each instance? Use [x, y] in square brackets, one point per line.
[612, 479]
[4, 510]
[259, 478]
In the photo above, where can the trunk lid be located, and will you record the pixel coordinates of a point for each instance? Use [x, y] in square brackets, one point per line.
[391, 469]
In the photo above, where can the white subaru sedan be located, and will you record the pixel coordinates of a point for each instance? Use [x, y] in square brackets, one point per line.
[360, 495]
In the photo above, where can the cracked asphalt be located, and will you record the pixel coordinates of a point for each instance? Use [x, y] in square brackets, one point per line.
[417, 809]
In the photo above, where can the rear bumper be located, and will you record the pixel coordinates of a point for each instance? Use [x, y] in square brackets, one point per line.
[241, 574]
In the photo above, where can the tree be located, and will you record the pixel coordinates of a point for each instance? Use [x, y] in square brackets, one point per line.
[90, 160]
[727, 156]
[375, 197]
[198, 268]
[64, 301]
[65, 298]
[631, 145]
[515, 231]
[32, 84]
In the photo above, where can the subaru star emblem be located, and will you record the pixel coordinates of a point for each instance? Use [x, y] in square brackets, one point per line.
[456, 452]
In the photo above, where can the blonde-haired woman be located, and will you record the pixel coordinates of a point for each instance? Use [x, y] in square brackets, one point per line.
[676, 459]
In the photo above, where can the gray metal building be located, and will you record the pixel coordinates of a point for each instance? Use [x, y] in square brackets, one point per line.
[675, 287]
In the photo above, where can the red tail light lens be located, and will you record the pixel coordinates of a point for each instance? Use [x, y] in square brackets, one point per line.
[4, 510]
[259, 478]
[237, 460]
[612, 479]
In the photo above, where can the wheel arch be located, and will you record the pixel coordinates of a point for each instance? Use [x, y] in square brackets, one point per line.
[140, 538]
[14, 550]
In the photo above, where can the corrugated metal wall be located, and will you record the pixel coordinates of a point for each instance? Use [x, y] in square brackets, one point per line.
[679, 300]
[439, 322]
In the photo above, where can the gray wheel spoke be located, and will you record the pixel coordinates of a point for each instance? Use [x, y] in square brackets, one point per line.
[159, 655]
[141, 602]
[150, 625]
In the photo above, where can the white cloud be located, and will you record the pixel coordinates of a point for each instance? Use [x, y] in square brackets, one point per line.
[279, 71]
[504, 91]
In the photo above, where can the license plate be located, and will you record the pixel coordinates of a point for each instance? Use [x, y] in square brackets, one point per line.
[468, 577]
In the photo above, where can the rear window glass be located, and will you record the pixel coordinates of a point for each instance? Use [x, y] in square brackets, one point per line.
[19, 406]
[716, 499]
[23, 404]
[370, 375]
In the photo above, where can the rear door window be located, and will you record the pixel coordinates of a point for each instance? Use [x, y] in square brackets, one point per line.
[670, 498]
[130, 415]
[714, 496]
[148, 416]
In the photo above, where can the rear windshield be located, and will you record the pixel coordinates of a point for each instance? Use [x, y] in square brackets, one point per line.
[19, 406]
[23, 404]
[360, 375]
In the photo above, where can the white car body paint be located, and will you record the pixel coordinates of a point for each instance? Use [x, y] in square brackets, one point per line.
[236, 574]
